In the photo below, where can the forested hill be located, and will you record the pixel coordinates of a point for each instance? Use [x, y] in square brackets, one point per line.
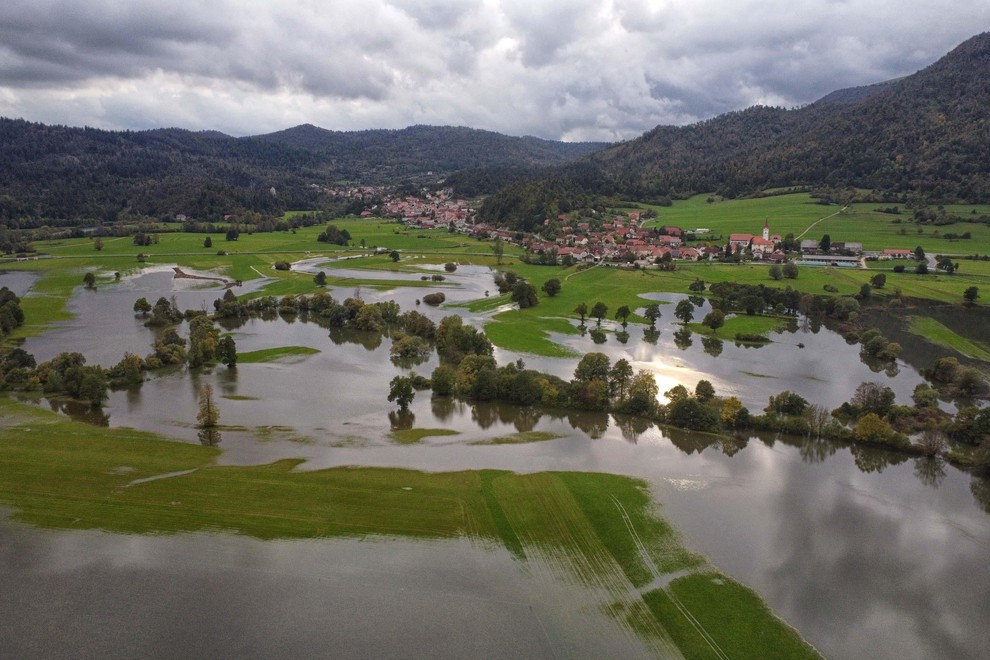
[387, 155]
[926, 133]
[50, 174]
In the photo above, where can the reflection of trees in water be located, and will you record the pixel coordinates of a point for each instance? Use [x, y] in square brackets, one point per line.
[409, 361]
[732, 445]
[651, 335]
[526, 419]
[80, 412]
[682, 339]
[483, 415]
[401, 420]
[209, 437]
[689, 442]
[874, 459]
[443, 407]
[227, 381]
[980, 487]
[369, 340]
[523, 418]
[930, 470]
[812, 324]
[632, 427]
[712, 345]
[133, 395]
[622, 336]
[592, 423]
[816, 450]
[876, 365]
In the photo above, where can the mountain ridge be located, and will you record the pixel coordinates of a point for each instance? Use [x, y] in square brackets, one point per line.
[926, 135]
[61, 172]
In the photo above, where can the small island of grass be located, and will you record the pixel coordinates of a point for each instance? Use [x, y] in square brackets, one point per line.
[277, 354]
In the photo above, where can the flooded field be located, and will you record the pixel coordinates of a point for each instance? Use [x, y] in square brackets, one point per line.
[862, 551]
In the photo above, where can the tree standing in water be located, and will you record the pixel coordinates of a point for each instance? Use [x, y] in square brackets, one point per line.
[208, 414]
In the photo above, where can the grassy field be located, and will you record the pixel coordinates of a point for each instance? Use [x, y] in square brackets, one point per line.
[602, 528]
[798, 213]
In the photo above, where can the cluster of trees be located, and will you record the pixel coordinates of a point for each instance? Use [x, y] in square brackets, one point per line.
[733, 297]
[11, 314]
[523, 293]
[66, 373]
[164, 312]
[874, 346]
[954, 381]
[596, 385]
[334, 235]
[788, 270]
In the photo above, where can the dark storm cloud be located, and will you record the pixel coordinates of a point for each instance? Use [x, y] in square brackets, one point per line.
[598, 69]
[64, 42]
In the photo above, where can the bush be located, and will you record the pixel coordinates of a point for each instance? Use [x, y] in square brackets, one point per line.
[434, 298]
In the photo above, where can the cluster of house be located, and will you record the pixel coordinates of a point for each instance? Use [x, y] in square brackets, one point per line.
[438, 209]
[621, 239]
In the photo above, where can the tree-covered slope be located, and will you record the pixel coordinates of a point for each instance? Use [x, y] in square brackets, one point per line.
[926, 133]
[60, 174]
[390, 154]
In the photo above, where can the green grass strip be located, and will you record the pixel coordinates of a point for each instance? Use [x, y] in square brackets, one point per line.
[708, 612]
[275, 354]
[939, 334]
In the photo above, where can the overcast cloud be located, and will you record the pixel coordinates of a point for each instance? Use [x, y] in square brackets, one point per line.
[594, 70]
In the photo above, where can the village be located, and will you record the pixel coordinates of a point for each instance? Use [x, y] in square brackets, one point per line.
[621, 240]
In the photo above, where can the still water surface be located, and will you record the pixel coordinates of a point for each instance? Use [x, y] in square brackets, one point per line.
[866, 553]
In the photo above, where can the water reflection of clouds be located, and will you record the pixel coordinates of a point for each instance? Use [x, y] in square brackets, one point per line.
[204, 595]
[896, 587]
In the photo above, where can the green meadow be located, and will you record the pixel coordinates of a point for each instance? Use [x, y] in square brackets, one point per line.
[601, 528]
[800, 214]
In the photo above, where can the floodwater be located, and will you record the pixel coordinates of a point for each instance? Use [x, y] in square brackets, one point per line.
[864, 552]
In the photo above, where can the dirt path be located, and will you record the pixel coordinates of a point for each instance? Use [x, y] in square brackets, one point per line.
[812, 225]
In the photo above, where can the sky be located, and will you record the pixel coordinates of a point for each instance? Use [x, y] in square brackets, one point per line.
[602, 70]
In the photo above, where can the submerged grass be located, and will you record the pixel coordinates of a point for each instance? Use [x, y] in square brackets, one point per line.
[522, 437]
[601, 529]
[939, 334]
[414, 436]
[718, 627]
